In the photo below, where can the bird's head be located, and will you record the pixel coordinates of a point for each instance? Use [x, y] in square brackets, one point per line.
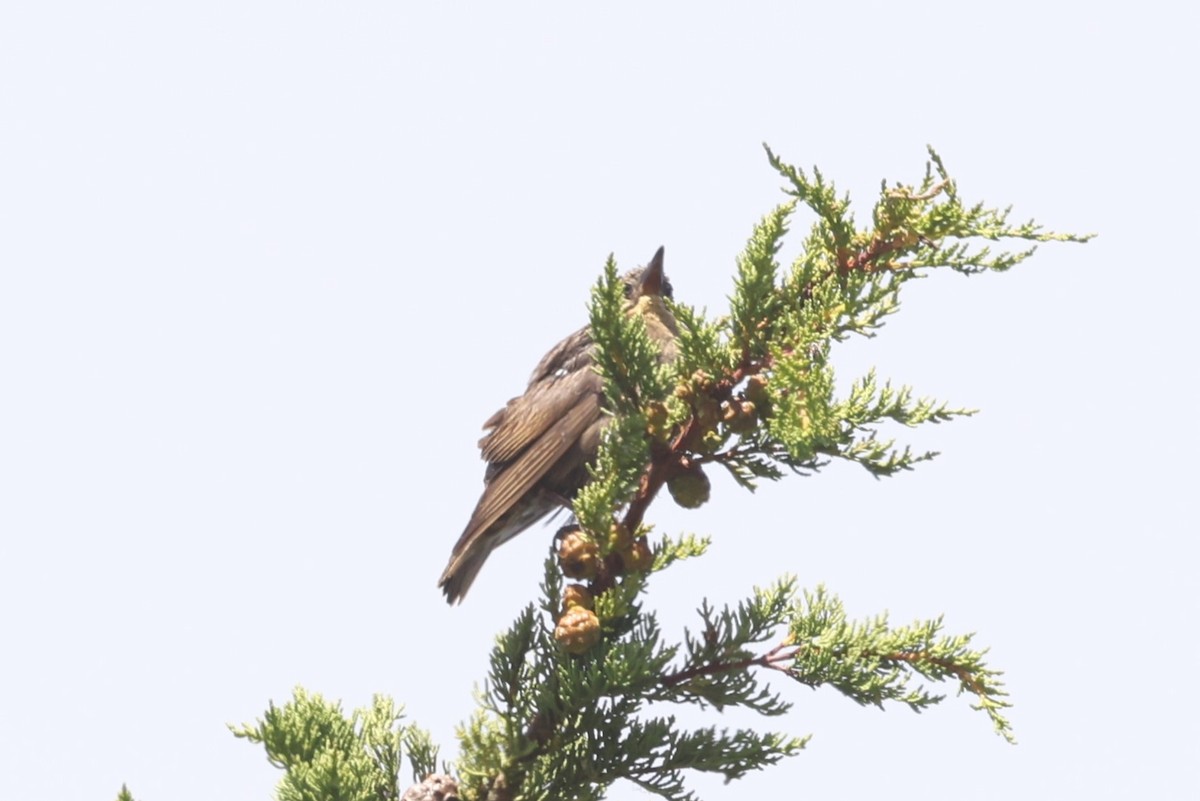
[648, 281]
[645, 288]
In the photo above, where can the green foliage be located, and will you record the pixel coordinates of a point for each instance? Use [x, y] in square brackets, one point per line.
[755, 393]
[845, 281]
[699, 341]
[626, 358]
[124, 795]
[756, 302]
[616, 472]
[868, 404]
[669, 551]
[628, 361]
[567, 727]
[872, 663]
[714, 669]
[328, 755]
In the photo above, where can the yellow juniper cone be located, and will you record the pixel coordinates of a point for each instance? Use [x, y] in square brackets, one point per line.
[578, 557]
[656, 421]
[577, 595]
[618, 537]
[656, 414]
[711, 442]
[577, 630]
[756, 389]
[691, 488]
[707, 411]
[638, 558]
[745, 417]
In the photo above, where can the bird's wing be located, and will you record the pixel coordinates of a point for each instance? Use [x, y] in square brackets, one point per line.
[525, 419]
[552, 436]
[573, 353]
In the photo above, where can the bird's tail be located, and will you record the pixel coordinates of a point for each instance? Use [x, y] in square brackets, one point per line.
[461, 572]
[477, 543]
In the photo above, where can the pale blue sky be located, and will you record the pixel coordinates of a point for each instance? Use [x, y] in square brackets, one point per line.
[245, 249]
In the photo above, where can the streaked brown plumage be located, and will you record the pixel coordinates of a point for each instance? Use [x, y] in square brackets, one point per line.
[539, 445]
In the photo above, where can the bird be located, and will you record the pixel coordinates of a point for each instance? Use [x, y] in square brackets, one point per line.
[538, 447]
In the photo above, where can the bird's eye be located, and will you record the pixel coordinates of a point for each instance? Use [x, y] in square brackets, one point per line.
[628, 290]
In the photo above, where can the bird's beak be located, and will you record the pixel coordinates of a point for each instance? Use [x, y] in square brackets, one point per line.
[652, 277]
